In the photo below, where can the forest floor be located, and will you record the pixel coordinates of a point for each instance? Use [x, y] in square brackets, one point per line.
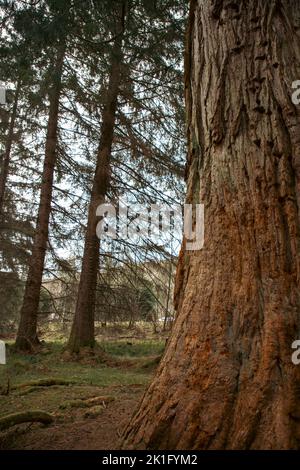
[91, 399]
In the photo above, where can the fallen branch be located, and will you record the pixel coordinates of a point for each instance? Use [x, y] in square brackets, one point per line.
[27, 390]
[87, 402]
[43, 383]
[34, 416]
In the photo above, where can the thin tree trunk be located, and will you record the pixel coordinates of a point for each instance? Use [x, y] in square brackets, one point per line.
[27, 332]
[227, 380]
[168, 295]
[82, 333]
[8, 146]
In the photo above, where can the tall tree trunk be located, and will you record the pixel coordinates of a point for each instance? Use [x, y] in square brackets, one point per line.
[226, 380]
[167, 316]
[8, 146]
[82, 333]
[27, 332]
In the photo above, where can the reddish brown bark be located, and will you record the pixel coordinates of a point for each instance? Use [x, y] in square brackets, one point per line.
[82, 333]
[27, 332]
[8, 147]
[226, 380]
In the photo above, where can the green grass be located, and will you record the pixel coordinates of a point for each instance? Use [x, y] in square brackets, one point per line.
[129, 368]
[136, 348]
[50, 363]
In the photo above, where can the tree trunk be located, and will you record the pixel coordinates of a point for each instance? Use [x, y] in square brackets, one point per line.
[226, 380]
[8, 146]
[82, 333]
[167, 316]
[27, 332]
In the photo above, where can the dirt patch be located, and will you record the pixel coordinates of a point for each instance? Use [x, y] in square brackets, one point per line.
[74, 430]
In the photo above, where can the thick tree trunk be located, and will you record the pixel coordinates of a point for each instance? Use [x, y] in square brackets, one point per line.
[82, 333]
[27, 332]
[226, 380]
[8, 146]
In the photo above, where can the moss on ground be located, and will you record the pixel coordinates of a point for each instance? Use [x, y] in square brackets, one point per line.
[86, 378]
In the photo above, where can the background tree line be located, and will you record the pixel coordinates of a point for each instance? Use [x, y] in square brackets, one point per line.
[94, 113]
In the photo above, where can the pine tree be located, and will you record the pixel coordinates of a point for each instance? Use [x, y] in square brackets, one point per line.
[127, 81]
[82, 334]
[27, 332]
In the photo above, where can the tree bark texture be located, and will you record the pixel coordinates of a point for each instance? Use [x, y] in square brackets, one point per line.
[227, 380]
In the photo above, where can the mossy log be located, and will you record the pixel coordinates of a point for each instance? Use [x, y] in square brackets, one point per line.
[32, 416]
[94, 412]
[43, 383]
